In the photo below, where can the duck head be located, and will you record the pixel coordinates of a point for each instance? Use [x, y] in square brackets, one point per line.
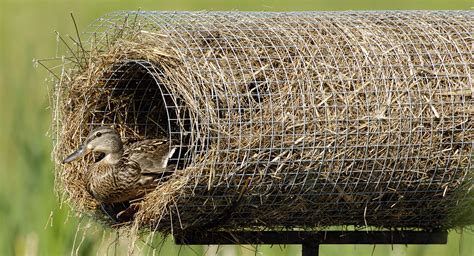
[103, 140]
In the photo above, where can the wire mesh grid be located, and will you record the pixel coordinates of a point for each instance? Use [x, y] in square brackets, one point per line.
[285, 120]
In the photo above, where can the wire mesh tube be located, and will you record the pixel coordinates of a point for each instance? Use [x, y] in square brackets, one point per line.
[283, 120]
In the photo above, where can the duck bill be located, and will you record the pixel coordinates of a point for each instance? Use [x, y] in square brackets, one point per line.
[78, 153]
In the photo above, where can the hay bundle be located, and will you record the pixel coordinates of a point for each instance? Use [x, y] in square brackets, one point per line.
[284, 120]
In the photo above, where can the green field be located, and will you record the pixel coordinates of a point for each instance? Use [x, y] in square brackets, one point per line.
[32, 220]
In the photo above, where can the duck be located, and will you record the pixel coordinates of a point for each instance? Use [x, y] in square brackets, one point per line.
[126, 172]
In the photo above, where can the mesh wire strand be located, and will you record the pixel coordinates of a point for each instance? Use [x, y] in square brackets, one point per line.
[284, 120]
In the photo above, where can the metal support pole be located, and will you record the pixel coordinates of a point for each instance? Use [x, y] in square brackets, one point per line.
[322, 237]
[310, 241]
[310, 249]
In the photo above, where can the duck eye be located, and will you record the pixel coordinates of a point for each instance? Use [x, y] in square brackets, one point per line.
[98, 134]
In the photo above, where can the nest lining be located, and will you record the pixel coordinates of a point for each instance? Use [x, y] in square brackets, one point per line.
[285, 120]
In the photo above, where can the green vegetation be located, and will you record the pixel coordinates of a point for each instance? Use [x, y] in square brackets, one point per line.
[32, 220]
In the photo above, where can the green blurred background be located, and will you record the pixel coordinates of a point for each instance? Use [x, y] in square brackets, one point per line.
[32, 221]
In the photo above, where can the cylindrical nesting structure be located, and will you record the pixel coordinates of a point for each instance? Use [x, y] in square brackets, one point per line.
[283, 120]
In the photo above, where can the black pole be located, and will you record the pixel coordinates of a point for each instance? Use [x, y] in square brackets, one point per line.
[303, 237]
[310, 241]
[310, 249]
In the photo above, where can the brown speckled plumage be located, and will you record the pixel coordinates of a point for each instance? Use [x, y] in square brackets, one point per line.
[126, 172]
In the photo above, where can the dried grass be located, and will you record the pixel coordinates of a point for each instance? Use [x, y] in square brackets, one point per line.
[301, 120]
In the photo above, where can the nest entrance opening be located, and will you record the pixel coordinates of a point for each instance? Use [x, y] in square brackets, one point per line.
[139, 105]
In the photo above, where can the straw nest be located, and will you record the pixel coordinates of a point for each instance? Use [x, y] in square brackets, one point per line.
[300, 120]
